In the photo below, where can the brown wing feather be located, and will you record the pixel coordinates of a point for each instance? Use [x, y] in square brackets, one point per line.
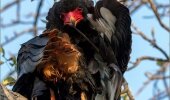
[60, 57]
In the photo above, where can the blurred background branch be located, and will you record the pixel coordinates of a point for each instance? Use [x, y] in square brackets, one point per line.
[32, 21]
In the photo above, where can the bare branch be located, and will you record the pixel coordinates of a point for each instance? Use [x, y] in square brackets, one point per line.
[151, 41]
[10, 5]
[136, 7]
[140, 59]
[18, 10]
[13, 23]
[127, 90]
[155, 76]
[161, 94]
[36, 17]
[16, 35]
[158, 16]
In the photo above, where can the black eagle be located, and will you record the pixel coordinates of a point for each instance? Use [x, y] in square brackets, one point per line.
[82, 54]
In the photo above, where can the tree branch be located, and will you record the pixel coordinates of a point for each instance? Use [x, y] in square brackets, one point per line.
[151, 41]
[10, 5]
[36, 17]
[157, 16]
[140, 59]
[16, 35]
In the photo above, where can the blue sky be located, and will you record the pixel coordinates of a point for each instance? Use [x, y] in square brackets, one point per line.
[140, 47]
[135, 77]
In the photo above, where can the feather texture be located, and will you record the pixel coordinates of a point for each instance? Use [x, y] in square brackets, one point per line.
[106, 24]
[111, 19]
[30, 55]
[81, 72]
[60, 57]
[58, 62]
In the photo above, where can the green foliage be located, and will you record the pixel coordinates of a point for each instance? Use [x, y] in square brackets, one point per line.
[2, 51]
[163, 63]
[124, 96]
[159, 63]
[8, 81]
[1, 62]
[13, 60]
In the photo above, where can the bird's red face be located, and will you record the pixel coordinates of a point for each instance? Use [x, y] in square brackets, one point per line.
[73, 17]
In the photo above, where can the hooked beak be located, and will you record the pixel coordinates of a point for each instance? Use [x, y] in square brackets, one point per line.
[73, 17]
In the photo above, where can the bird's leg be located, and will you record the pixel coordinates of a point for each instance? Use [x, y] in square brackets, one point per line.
[52, 94]
[83, 96]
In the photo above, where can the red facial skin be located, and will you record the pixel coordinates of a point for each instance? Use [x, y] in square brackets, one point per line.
[73, 17]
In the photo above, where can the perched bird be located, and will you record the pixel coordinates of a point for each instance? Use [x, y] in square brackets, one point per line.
[60, 57]
[98, 39]
[62, 64]
[107, 26]
[58, 71]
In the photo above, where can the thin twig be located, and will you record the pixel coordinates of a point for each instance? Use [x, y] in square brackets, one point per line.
[11, 4]
[36, 17]
[158, 95]
[157, 15]
[18, 10]
[140, 59]
[152, 42]
[136, 7]
[127, 90]
[16, 22]
[19, 34]
[155, 76]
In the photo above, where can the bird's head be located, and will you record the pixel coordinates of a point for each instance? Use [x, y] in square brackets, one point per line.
[73, 17]
[73, 11]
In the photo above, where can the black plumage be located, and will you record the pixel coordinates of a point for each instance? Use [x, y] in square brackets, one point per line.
[121, 38]
[102, 69]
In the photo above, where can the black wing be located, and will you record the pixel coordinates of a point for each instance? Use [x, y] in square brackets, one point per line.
[30, 55]
[124, 38]
[112, 21]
